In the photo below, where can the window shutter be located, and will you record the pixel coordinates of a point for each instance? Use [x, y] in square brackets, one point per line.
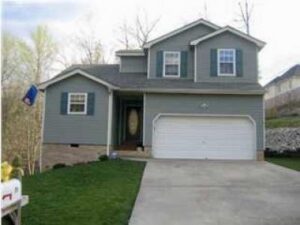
[64, 103]
[239, 62]
[213, 63]
[90, 104]
[183, 64]
[159, 63]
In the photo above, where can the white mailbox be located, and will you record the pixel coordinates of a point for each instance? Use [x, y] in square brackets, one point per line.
[11, 193]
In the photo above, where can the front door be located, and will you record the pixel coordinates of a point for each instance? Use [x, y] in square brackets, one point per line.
[132, 126]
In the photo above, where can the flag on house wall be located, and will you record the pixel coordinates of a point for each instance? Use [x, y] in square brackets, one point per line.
[30, 95]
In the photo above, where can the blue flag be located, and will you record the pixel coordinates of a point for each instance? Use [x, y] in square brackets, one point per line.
[30, 96]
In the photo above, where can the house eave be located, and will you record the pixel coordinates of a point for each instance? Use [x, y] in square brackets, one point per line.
[259, 43]
[44, 85]
[177, 31]
[195, 91]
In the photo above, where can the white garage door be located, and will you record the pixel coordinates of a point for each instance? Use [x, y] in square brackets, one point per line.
[197, 137]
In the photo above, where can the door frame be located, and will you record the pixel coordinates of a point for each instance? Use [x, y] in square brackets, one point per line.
[156, 118]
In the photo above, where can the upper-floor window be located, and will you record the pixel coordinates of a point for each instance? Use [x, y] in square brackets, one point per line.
[77, 103]
[171, 64]
[226, 62]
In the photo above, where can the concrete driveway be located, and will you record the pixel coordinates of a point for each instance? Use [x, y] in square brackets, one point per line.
[217, 192]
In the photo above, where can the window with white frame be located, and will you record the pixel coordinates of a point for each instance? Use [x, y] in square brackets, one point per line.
[226, 62]
[171, 64]
[77, 103]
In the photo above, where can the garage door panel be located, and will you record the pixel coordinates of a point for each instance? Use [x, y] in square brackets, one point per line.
[203, 137]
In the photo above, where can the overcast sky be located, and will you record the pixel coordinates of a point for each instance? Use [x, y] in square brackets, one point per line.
[275, 22]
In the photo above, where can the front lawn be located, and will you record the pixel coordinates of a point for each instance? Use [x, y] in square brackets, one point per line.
[95, 193]
[292, 121]
[292, 163]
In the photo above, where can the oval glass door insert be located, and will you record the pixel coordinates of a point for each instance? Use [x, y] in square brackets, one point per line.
[133, 122]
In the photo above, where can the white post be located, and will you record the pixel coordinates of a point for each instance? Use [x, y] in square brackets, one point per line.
[42, 132]
[109, 121]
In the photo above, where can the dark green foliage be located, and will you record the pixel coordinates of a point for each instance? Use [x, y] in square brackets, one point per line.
[103, 157]
[59, 165]
[95, 193]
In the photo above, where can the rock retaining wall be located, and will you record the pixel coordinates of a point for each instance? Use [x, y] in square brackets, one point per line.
[280, 139]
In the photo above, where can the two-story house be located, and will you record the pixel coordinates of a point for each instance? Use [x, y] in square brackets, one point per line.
[192, 93]
[282, 91]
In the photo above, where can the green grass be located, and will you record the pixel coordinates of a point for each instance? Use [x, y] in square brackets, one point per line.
[95, 193]
[283, 122]
[292, 163]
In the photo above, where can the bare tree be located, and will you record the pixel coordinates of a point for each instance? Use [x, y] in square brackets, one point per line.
[90, 48]
[245, 15]
[138, 34]
[204, 13]
[125, 31]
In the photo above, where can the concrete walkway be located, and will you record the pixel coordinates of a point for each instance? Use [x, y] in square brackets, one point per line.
[185, 192]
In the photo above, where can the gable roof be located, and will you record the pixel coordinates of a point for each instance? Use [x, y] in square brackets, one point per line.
[293, 71]
[181, 29]
[110, 76]
[259, 43]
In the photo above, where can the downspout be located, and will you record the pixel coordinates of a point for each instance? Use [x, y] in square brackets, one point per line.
[109, 121]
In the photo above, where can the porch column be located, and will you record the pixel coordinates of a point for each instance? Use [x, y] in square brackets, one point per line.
[109, 121]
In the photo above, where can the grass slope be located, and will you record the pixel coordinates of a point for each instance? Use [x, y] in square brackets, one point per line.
[95, 193]
[283, 122]
[292, 163]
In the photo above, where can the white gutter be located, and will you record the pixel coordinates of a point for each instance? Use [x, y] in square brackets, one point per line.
[42, 132]
[109, 121]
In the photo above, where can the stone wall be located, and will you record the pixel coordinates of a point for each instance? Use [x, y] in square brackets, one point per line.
[280, 139]
[60, 153]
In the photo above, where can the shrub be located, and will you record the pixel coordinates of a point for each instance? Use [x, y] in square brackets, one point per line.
[58, 166]
[103, 158]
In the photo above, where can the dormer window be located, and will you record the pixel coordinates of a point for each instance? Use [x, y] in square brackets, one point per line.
[226, 62]
[171, 64]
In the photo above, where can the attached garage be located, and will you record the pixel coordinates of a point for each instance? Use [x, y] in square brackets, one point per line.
[204, 137]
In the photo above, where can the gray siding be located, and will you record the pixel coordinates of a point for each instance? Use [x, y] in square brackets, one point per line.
[79, 129]
[133, 64]
[180, 42]
[217, 104]
[227, 40]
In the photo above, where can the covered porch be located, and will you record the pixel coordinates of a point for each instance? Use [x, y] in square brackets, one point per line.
[127, 123]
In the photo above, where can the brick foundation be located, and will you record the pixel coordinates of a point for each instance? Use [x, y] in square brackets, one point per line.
[61, 153]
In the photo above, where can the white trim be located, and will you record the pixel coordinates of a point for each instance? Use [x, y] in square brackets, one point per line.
[42, 132]
[44, 85]
[195, 64]
[259, 43]
[196, 91]
[109, 121]
[133, 53]
[179, 30]
[155, 119]
[233, 63]
[264, 125]
[85, 103]
[164, 64]
[148, 64]
[144, 118]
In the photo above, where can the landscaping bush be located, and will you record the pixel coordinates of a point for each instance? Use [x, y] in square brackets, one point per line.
[103, 158]
[284, 154]
[59, 165]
